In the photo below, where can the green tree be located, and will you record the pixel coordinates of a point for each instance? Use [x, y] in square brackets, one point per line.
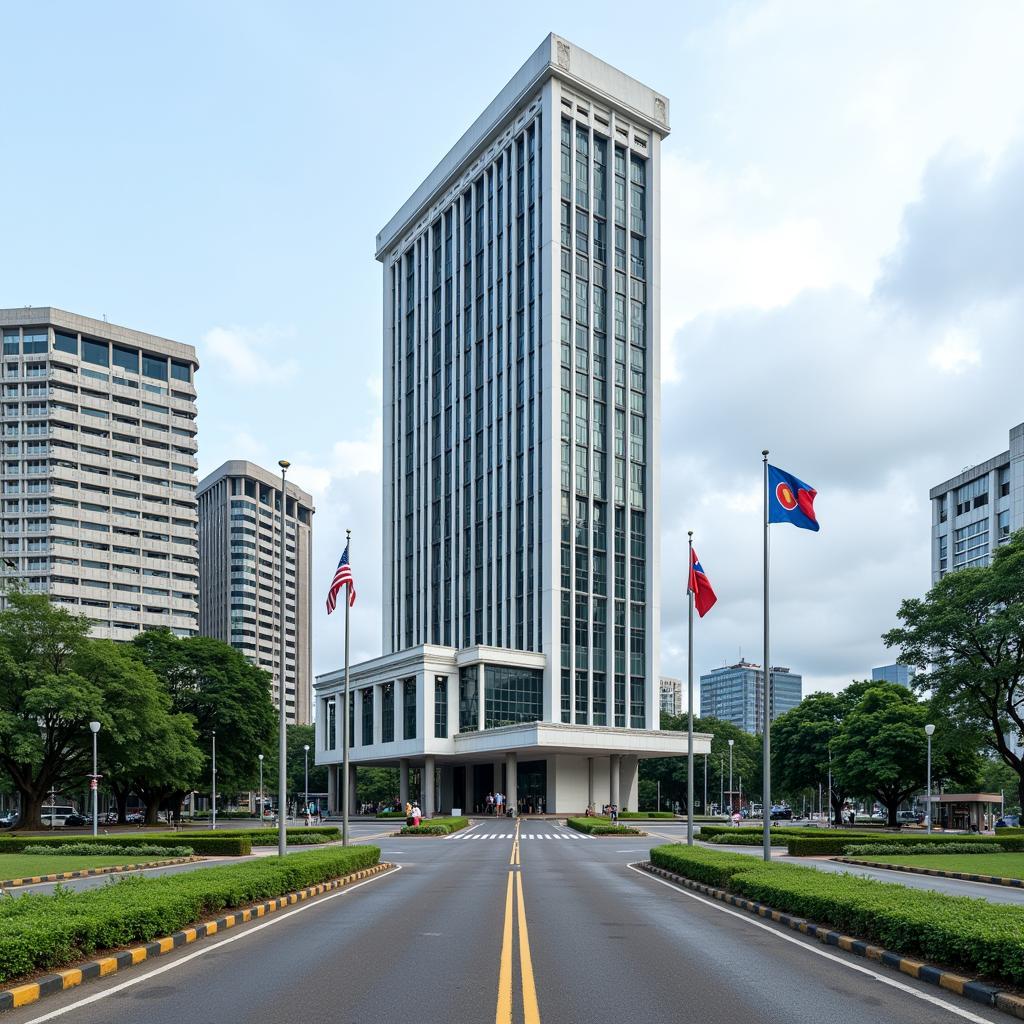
[881, 749]
[967, 639]
[54, 680]
[376, 785]
[297, 738]
[214, 685]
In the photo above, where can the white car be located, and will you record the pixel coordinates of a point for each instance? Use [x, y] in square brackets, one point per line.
[56, 815]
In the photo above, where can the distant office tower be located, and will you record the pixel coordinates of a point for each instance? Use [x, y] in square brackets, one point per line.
[671, 695]
[240, 574]
[902, 674]
[977, 510]
[521, 417]
[99, 486]
[735, 694]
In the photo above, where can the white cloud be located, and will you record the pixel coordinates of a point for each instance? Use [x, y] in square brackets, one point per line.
[251, 355]
[957, 351]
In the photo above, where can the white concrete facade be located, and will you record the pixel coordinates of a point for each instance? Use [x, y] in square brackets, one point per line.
[521, 286]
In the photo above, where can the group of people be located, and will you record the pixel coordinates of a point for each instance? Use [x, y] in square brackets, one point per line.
[495, 804]
[608, 810]
[413, 812]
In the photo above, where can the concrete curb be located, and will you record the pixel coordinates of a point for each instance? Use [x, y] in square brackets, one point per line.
[13, 883]
[973, 989]
[1016, 883]
[33, 991]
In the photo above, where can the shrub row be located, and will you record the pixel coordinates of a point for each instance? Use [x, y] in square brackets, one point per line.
[268, 836]
[781, 830]
[835, 845]
[970, 934]
[723, 839]
[877, 849]
[204, 844]
[87, 849]
[601, 827]
[43, 932]
[651, 815]
[435, 827]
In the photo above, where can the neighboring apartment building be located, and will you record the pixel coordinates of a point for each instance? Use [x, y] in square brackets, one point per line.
[99, 470]
[978, 509]
[902, 674]
[521, 491]
[735, 693]
[671, 695]
[240, 575]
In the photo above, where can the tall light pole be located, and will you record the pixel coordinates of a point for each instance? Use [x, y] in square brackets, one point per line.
[213, 780]
[305, 749]
[261, 788]
[94, 782]
[282, 736]
[721, 783]
[730, 776]
[704, 806]
[830, 784]
[929, 729]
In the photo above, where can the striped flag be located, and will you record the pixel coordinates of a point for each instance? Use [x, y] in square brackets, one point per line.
[342, 577]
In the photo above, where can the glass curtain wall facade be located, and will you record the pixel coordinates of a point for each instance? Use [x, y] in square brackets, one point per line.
[603, 342]
[466, 378]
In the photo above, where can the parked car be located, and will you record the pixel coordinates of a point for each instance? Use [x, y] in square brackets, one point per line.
[76, 820]
[780, 811]
[1009, 821]
[9, 820]
[56, 815]
[909, 818]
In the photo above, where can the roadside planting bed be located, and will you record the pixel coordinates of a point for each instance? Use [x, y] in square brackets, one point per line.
[43, 932]
[968, 934]
[28, 865]
[434, 827]
[601, 827]
[204, 844]
[1001, 865]
[835, 844]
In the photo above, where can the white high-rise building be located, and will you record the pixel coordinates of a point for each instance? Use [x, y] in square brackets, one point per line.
[240, 575]
[99, 464]
[521, 431]
[671, 694]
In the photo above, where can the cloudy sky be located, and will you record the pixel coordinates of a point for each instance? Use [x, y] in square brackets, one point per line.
[843, 226]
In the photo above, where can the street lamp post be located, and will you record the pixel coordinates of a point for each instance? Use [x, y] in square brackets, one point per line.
[730, 776]
[94, 782]
[704, 806]
[830, 784]
[213, 781]
[721, 783]
[929, 729]
[305, 798]
[282, 735]
[261, 788]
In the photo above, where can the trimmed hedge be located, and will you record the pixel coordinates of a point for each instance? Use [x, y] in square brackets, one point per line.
[296, 836]
[835, 845]
[651, 815]
[783, 830]
[746, 840]
[44, 932]
[434, 827]
[877, 849]
[204, 844]
[86, 849]
[601, 827]
[970, 934]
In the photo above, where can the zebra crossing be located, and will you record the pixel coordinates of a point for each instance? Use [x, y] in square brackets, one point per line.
[466, 836]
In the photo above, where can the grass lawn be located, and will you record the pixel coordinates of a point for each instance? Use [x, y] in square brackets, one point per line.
[1006, 865]
[26, 865]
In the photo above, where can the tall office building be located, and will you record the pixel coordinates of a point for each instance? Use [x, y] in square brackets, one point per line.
[735, 693]
[977, 510]
[671, 693]
[99, 464]
[521, 412]
[902, 674]
[240, 575]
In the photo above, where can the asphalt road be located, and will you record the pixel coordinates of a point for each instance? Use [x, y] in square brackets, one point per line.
[554, 927]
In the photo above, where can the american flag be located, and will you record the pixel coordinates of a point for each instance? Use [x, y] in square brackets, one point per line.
[342, 576]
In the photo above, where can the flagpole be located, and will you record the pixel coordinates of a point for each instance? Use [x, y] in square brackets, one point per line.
[689, 717]
[766, 734]
[345, 711]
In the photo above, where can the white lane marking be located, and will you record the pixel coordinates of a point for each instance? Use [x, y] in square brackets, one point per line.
[746, 918]
[237, 937]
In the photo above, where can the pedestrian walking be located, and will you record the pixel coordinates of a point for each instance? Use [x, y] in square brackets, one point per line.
[614, 810]
[417, 814]
[490, 803]
[498, 801]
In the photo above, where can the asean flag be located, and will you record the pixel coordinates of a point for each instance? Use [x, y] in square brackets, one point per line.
[700, 586]
[790, 500]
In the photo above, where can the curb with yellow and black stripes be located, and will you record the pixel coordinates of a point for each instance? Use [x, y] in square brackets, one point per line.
[62, 876]
[32, 991]
[963, 876]
[973, 989]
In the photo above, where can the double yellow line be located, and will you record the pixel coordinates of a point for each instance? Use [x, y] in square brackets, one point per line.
[503, 1014]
